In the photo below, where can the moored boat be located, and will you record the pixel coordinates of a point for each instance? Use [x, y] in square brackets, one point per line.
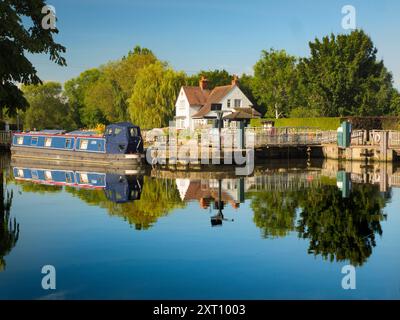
[121, 146]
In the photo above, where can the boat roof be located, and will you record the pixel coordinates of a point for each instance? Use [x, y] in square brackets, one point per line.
[123, 124]
[82, 133]
[47, 132]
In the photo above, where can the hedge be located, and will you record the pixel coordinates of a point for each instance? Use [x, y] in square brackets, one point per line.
[325, 123]
[322, 123]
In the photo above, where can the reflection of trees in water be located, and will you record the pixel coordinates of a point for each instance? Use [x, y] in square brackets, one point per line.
[27, 186]
[274, 213]
[9, 229]
[337, 228]
[157, 199]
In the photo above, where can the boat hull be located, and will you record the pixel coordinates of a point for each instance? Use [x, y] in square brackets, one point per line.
[82, 158]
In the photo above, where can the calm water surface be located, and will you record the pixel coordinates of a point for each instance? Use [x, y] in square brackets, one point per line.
[283, 233]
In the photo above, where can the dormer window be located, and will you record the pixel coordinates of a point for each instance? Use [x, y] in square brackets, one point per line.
[229, 103]
[238, 103]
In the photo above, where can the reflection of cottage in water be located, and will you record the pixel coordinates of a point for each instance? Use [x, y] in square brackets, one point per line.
[206, 191]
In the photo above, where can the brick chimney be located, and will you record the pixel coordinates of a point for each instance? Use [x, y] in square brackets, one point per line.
[203, 83]
[235, 80]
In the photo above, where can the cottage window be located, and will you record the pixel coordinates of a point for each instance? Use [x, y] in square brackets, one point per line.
[83, 144]
[238, 103]
[47, 142]
[34, 141]
[229, 103]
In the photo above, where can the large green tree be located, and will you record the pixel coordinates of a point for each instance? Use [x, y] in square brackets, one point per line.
[47, 107]
[21, 32]
[105, 100]
[215, 78]
[75, 91]
[152, 103]
[343, 76]
[275, 83]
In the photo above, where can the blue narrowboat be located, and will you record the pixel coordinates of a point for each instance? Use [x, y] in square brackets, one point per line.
[118, 188]
[121, 145]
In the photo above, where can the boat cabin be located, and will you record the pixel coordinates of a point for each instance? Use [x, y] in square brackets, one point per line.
[120, 138]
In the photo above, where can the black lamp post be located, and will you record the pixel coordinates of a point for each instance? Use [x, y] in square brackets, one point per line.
[217, 108]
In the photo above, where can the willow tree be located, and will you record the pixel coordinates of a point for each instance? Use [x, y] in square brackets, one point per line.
[152, 103]
[105, 100]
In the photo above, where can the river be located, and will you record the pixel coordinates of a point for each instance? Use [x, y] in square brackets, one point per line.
[285, 232]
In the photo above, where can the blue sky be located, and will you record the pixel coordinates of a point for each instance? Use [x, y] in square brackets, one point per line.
[203, 34]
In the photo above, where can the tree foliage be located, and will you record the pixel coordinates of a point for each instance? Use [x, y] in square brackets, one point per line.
[47, 107]
[75, 91]
[152, 103]
[275, 83]
[100, 95]
[21, 32]
[215, 78]
[343, 76]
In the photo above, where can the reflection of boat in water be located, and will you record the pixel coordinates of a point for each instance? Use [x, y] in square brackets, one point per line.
[118, 188]
[121, 146]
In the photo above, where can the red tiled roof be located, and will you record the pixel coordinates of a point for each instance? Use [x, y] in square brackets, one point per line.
[196, 96]
[215, 96]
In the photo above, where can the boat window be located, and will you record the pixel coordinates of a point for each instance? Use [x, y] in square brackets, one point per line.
[47, 175]
[68, 143]
[68, 177]
[117, 131]
[47, 142]
[20, 173]
[35, 175]
[109, 131]
[84, 178]
[84, 144]
[20, 140]
[34, 141]
[133, 132]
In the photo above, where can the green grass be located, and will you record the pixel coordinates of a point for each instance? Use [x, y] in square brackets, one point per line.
[323, 123]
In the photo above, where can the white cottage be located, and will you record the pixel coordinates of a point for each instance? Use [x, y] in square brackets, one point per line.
[193, 105]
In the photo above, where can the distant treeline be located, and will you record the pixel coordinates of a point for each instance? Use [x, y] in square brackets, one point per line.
[342, 76]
